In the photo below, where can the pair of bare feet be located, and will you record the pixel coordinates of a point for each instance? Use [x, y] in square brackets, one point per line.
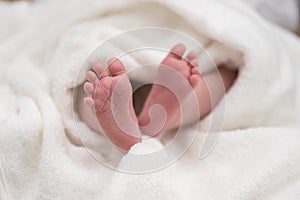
[111, 97]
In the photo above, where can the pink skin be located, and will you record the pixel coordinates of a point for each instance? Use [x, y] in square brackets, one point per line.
[101, 86]
[162, 94]
[112, 100]
[187, 68]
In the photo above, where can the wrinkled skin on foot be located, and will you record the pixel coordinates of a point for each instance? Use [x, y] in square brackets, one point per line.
[178, 85]
[169, 91]
[111, 98]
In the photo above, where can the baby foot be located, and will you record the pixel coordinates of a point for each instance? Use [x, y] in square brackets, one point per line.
[174, 71]
[112, 100]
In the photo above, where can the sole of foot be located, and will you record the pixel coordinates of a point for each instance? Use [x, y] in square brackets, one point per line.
[111, 98]
[176, 78]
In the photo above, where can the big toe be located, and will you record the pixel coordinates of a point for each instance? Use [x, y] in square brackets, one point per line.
[177, 51]
[116, 67]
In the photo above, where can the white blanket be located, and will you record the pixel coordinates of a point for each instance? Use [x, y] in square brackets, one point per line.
[43, 44]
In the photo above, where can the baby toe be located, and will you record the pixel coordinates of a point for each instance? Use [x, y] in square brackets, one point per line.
[116, 67]
[194, 71]
[194, 80]
[89, 88]
[191, 56]
[100, 70]
[92, 77]
[177, 51]
[194, 63]
[88, 101]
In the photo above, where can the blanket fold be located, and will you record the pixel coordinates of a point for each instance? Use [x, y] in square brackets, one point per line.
[44, 46]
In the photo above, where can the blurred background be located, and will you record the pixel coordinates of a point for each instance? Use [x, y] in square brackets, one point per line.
[285, 13]
[282, 12]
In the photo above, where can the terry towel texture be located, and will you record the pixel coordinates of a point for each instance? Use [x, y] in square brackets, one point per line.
[43, 44]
